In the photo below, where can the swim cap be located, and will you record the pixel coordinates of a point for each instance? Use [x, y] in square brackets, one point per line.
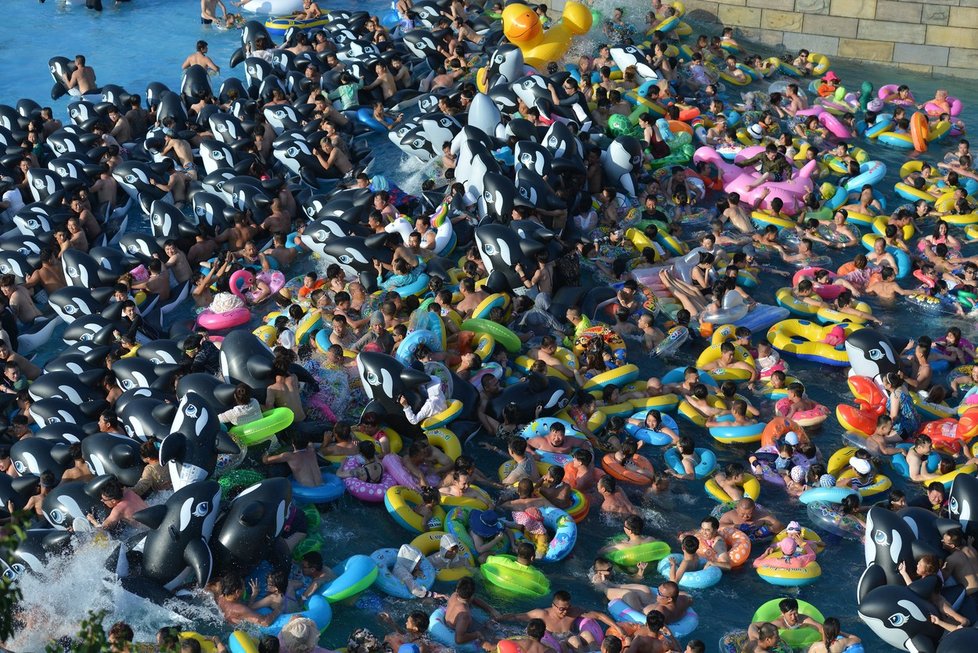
[794, 527]
[791, 438]
[827, 480]
[787, 546]
[875, 106]
[797, 474]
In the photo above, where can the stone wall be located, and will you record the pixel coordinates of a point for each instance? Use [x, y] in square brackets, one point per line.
[937, 36]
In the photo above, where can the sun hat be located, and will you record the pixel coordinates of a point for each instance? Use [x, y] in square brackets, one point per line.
[861, 465]
[448, 541]
[299, 634]
[756, 130]
[831, 76]
[485, 523]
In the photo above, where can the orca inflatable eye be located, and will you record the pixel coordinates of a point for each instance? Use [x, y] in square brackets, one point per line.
[952, 505]
[20, 467]
[69, 309]
[345, 259]
[73, 272]
[4, 268]
[222, 128]
[56, 516]
[897, 620]
[131, 179]
[128, 384]
[201, 509]
[321, 235]
[217, 155]
[881, 538]
[490, 249]
[9, 574]
[190, 411]
[38, 183]
[875, 354]
[292, 152]
[201, 211]
[372, 378]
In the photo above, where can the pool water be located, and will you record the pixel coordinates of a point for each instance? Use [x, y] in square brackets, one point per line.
[146, 40]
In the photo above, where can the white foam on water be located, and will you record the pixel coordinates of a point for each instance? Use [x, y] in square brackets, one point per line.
[56, 601]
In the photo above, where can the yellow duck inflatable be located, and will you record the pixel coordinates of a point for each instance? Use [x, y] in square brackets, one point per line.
[523, 28]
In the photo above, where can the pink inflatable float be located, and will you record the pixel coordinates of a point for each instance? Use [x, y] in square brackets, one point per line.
[737, 180]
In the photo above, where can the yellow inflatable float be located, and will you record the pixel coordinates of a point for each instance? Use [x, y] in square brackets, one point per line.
[523, 28]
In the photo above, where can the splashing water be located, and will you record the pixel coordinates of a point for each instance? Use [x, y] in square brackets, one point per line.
[57, 600]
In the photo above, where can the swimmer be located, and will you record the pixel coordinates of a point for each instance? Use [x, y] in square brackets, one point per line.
[200, 58]
[81, 81]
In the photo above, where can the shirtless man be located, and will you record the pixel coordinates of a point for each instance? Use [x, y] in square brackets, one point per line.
[654, 636]
[613, 499]
[557, 441]
[547, 353]
[668, 600]
[158, 283]
[208, 11]
[230, 592]
[280, 252]
[278, 219]
[789, 620]
[301, 460]
[200, 58]
[917, 459]
[285, 392]
[176, 262]
[748, 517]
[559, 619]
[122, 504]
[19, 300]
[29, 370]
[238, 236]
[121, 130]
[310, 11]
[79, 471]
[49, 275]
[384, 82]
[458, 613]
[34, 504]
[633, 528]
[879, 257]
[962, 560]
[709, 535]
[886, 287]
[81, 81]
[736, 214]
[179, 149]
[471, 298]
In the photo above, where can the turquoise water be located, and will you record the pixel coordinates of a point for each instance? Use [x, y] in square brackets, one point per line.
[146, 40]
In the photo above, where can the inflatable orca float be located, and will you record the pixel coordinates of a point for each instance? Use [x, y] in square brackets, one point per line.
[175, 549]
[196, 437]
[962, 503]
[107, 453]
[871, 354]
[250, 530]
